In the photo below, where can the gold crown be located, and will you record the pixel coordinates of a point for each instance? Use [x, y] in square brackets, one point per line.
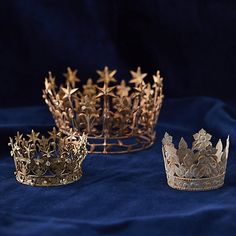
[52, 161]
[200, 168]
[117, 119]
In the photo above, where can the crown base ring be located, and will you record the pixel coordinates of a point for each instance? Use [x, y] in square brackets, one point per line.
[48, 181]
[189, 184]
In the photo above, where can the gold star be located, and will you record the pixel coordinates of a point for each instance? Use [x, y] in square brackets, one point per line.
[50, 83]
[72, 136]
[33, 137]
[89, 88]
[68, 91]
[43, 142]
[157, 79]
[122, 89]
[29, 150]
[106, 91]
[137, 76]
[71, 76]
[53, 134]
[18, 137]
[106, 76]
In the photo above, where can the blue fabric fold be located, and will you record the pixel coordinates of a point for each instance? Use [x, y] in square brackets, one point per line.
[122, 194]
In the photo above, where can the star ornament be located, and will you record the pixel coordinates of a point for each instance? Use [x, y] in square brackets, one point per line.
[137, 76]
[106, 76]
[53, 134]
[18, 137]
[43, 142]
[29, 150]
[50, 83]
[106, 91]
[33, 137]
[68, 91]
[71, 76]
[72, 136]
[122, 89]
[89, 87]
[157, 79]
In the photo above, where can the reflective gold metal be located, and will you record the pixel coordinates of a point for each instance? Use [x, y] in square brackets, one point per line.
[117, 119]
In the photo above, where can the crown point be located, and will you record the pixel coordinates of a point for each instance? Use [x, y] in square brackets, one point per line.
[183, 144]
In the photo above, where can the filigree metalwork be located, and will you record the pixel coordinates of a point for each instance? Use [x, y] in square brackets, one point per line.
[202, 167]
[117, 118]
[51, 161]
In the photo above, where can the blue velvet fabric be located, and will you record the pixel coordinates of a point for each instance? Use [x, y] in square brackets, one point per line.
[122, 194]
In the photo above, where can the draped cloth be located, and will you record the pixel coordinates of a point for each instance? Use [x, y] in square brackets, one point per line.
[121, 194]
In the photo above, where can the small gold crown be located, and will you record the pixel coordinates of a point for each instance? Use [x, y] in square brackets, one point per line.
[52, 161]
[200, 168]
[117, 119]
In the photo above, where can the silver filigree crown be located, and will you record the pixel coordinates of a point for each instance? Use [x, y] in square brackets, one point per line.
[200, 168]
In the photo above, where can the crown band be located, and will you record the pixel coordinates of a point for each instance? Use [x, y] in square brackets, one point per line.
[47, 180]
[195, 184]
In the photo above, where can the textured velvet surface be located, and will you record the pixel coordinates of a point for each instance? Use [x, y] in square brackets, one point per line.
[122, 194]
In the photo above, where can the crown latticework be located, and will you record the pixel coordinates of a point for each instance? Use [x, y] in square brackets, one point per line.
[117, 118]
[202, 167]
[51, 161]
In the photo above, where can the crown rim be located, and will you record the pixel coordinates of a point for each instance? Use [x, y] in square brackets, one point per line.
[144, 142]
[49, 181]
[191, 184]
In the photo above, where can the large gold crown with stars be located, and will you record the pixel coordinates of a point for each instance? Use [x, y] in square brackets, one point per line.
[55, 160]
[118, 118]
[200, 167]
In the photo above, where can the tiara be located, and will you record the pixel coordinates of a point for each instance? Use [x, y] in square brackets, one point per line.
[200, 168]
[51, 161]
[117, 118]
